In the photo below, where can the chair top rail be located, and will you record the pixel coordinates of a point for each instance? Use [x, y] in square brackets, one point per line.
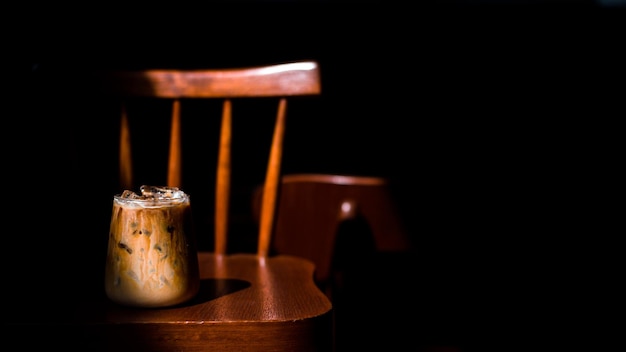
[285, 79]
[335, 179]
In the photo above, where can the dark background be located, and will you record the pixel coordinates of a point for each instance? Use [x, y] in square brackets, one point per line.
[495, 121]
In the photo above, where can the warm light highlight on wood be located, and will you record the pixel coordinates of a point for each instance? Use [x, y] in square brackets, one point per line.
[125, 154]
[175, 157]
[222, 190]
[270, 189]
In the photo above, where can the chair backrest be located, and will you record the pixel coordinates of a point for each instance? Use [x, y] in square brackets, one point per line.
[271, 81]
[320, 208]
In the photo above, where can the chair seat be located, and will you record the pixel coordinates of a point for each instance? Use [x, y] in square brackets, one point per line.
[230, 286]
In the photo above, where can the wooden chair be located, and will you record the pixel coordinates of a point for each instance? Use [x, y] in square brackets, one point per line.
[336, 218]
[247, 301]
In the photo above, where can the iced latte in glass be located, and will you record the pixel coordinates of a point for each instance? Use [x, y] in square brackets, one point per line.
[151, 257]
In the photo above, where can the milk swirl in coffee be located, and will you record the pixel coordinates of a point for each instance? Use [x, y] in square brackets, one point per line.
[151, 257]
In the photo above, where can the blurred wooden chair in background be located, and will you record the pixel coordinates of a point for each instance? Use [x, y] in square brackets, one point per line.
[247, 301]
[350, 227]
[333, 220]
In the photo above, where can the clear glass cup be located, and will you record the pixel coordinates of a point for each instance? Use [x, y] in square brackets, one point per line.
[151, 258]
